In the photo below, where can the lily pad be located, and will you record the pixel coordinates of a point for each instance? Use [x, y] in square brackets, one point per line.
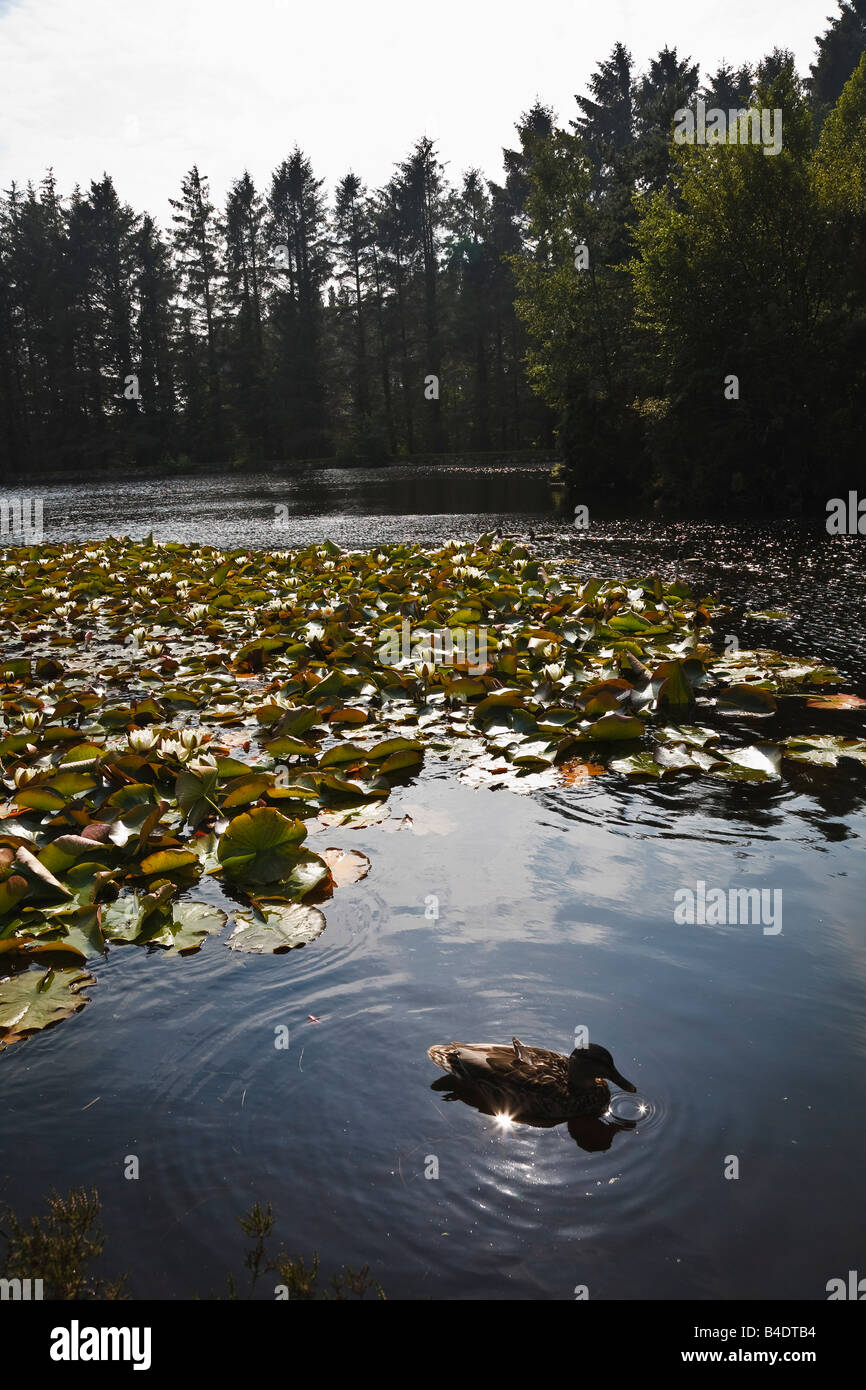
[37, 998]
[346, 865]
[276, 928]
[259, 846]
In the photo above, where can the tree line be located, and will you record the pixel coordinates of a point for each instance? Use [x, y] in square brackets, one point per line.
[704, 345]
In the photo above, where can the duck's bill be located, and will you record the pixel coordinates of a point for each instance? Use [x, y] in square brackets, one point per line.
[620, 1080]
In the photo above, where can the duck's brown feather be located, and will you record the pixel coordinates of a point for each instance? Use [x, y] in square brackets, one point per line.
[520, 1080]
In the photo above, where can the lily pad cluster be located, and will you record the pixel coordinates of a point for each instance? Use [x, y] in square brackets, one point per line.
[176, 714]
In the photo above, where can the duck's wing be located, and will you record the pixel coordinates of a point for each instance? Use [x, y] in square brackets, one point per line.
[523, 1054]
[493, 1063]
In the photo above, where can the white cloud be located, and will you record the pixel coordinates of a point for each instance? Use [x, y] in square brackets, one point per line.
[144, 91]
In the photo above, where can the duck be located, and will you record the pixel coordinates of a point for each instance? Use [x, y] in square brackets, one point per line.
[531, 1084]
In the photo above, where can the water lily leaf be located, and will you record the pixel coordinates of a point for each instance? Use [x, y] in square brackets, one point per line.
[824, 749]
[637, 765]
[535, 752]
[232, 767]
[82, 931]
[259, 846]
[676, 757]
[85, 880]
[356, 817]
[29, 948]
[286, 746]
[346, 865]
[12, 890]
[748, 697]
[276, 928]
[690, 733]
[38, 876]
[169, 861]
[121, 920]
[765, 758]
[67, 850]
[675, 692]
[350, 715]
[614, 727]
[394, 746]
[185, 932]
[131, 797]
[36, 999]
[629, 622]
[247, 789]
[195, 794]
[343, 753]
[69, 784]
[40, 798]
[295, 722]
[835, 702]
[398, 762]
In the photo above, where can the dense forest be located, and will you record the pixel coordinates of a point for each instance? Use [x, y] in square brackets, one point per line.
[707, 346]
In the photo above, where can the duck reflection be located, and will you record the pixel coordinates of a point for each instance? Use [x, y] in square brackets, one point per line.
[536, 1087]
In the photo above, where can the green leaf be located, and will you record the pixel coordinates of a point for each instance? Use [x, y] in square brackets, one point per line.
[37, 998]
[276, 928]
[614, 727]
[185, 933]
[195, 794]
[259, 846]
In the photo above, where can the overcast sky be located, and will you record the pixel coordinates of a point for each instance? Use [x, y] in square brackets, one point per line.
[144, 90]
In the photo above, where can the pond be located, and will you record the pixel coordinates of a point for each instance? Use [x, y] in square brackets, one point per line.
[555, 913]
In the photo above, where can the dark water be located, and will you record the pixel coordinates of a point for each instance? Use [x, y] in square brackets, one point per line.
[555, 912]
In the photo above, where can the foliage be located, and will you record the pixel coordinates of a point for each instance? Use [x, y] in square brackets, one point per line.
[176, 719]
[58, 1250]
[299, 1281]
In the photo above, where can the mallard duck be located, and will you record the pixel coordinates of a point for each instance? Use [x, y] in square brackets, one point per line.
[530, 1083]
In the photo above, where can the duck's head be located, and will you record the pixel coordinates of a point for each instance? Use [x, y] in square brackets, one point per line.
[588, 1063]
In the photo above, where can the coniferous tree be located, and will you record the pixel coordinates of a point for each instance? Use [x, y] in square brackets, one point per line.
[197, 252]
[839, 51]
[300, 250]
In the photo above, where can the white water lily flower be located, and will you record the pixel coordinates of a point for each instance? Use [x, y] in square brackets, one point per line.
[142, 740]
[173, 748]
[191, 738]
[553, 672]
[32, 719]
[204, 763]
[23, 775]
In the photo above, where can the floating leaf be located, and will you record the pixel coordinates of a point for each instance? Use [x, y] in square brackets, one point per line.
[614, 726]
[259, 846]
[185, 932]
[748, 697]
[276, 928]
[346, 865]
[36, 999]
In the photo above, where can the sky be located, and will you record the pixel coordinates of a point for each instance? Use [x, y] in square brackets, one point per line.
[144, 90]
